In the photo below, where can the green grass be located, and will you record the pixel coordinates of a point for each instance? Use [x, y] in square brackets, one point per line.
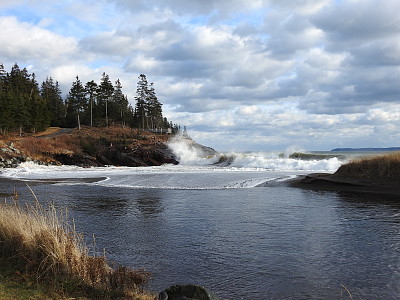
[14, 286]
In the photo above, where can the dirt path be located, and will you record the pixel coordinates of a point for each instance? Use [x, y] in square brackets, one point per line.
[54, 132]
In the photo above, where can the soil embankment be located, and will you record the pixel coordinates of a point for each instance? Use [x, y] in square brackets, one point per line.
[87, 147]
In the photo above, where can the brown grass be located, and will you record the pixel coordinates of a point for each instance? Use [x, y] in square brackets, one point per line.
[384, 167]
[42, 149]
[45, 248]
[88, 140]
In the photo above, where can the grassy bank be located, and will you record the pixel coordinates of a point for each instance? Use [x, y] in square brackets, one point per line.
[379, 168]
[43, 257]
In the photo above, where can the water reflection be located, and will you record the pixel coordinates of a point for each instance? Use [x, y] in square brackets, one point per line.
[149, 205]
[365, 234]
[246, 243]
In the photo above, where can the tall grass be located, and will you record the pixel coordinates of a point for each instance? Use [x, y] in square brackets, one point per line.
[41, 149]
[45, 247]
[384, 167]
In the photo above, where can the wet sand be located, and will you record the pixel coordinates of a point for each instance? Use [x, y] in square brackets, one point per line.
[8, 185]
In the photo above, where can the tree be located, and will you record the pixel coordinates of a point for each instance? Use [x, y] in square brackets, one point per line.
[141, 98]
[148, 110]
[104, 95]
[51, 94]
[120, 104]
[25, 107]
[154, 108]
[18, 94]
[39, 118]
[91, 92]
[76, 104]
[4, 109]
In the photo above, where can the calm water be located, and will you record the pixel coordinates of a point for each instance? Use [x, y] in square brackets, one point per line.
[216, 226]
[242, 243]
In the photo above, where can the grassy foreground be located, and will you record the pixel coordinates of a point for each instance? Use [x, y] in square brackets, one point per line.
[43, 257]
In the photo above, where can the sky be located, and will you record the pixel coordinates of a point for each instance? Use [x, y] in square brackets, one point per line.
[262, 75]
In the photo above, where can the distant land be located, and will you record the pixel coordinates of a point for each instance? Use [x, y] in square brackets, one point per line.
[367, 149]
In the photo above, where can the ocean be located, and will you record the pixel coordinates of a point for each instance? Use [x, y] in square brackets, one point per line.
[230, 224]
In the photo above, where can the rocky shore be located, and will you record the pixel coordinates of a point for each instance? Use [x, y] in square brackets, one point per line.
[89, 147]
[10, 157]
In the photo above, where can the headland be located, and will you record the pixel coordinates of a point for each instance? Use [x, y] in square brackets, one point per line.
[378, 174]
[88, 147]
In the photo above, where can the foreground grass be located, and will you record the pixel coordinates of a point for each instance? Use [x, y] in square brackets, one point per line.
[12, 286]
[43, 257]
[383, 167]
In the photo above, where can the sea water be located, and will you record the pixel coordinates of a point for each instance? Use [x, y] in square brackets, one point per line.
[232, 227]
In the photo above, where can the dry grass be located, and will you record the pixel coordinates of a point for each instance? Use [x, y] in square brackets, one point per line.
[42, 149]
[80, 141]
[45, 248]
[384, 167]
[117, 133]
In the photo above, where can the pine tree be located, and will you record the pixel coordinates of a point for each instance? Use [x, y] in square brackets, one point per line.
[154, 108]
[4, 110]
[76, 104]
[51, 94]
[120, 104]
[104, 96]
[18, 93]
[91, 92]
[141, 101]
[38, 119]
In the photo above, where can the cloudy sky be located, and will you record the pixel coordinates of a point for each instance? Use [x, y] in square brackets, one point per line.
[241, 75]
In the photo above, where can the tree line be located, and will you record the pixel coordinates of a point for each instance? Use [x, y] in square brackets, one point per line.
[27, 107]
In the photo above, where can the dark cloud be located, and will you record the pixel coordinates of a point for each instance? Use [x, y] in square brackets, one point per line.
[351, 23]
[193, 7]
[246, 29]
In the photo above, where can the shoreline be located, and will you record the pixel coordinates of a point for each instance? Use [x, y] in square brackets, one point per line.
[332, 182]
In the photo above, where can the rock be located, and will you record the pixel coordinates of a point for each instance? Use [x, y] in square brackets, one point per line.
[186, 292]
[163, 296]
[118, 158]
[77, 160]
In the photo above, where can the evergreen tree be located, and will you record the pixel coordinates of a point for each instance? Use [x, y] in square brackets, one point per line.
[51, 94]
[4, 110]
[76, 104]
[119, 104]
[25, 107]
[148, 110]
[18, 94]
[91, 92]
[154, 109]
[104, 96]
[39, 118]
[141, 101]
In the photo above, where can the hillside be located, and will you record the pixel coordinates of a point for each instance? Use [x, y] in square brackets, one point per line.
[89, 146]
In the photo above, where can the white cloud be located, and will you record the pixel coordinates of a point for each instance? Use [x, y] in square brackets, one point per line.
[23, 41]
[259, 73]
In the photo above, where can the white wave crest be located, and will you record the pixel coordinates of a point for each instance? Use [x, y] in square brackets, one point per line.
[273, 161]
[189, 153]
